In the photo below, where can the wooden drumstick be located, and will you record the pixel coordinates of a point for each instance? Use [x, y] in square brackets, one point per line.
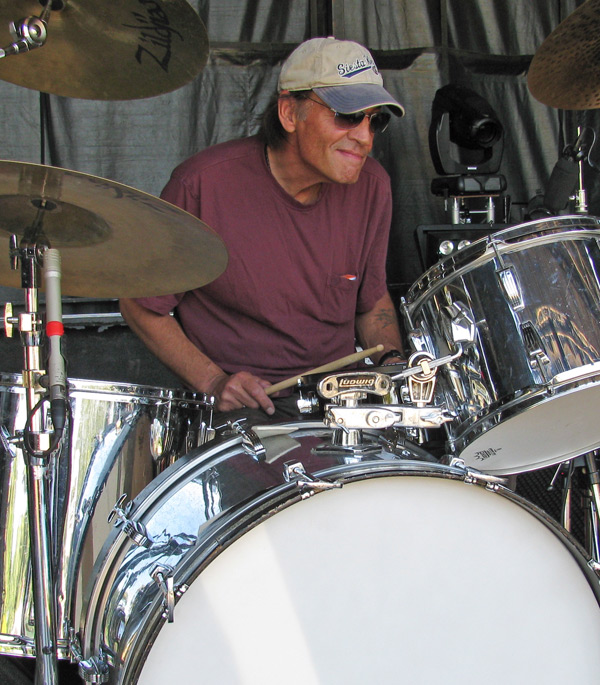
[331, 366]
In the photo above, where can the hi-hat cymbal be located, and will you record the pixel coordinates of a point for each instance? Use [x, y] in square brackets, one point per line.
[565, 71]
[114, 241]
[117, 50]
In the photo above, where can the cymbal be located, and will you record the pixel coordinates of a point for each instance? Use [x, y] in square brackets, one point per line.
[565, 71]
[118, 50]
[114, 241]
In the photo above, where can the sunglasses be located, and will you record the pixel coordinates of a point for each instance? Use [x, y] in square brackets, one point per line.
[378, 121]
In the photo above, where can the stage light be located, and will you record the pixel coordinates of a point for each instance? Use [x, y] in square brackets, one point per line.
[465, 136]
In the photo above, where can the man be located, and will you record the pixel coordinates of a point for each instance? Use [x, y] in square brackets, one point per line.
[304, 214]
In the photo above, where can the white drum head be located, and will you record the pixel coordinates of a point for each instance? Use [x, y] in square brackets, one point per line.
[558, 429]
[396, 579]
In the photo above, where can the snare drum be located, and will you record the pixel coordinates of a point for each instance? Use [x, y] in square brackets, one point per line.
[117, 438]
[308, 565]
[525, 392]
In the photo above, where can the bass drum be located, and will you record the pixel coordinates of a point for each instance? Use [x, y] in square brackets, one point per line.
[405, 570]
[525, 391]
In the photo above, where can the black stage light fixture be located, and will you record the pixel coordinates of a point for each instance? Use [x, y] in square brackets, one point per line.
[465, 136]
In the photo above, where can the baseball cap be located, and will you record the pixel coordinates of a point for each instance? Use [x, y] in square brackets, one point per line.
[341, 72]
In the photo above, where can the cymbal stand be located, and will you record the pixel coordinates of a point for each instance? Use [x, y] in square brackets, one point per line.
[590, 499]
[593, 475]
[37, 449]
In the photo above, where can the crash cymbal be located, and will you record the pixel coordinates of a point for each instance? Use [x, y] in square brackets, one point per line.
[117, 50]
[565, 71]
[114, 241]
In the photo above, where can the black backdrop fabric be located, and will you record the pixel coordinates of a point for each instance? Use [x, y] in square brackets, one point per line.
[420, 45]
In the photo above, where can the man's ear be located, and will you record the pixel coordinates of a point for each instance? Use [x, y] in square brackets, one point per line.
[287, 109]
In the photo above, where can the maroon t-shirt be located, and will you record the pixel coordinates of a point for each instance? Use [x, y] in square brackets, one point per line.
[296, 274]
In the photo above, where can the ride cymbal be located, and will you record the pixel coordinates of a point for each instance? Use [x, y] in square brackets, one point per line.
[118, 50]
[114, 241]
[565, 71]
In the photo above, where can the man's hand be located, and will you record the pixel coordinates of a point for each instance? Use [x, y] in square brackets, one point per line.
[241, 390]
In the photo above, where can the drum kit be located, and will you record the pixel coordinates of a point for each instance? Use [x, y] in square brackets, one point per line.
[143, 543]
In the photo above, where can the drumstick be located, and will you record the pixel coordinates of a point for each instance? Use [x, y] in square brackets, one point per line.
[331, 366]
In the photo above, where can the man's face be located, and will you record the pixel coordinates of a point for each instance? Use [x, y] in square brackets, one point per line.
[328, 152]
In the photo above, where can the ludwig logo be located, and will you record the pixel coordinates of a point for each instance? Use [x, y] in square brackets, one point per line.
[356, 382]
[346, 70]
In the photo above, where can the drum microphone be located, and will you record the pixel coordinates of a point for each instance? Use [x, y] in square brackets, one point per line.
[57, 382]
[564, 176]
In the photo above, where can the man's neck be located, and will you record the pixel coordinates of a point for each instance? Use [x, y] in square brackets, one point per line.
[288, 173]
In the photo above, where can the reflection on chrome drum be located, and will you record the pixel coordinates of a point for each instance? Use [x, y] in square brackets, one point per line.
[525, 391]
[119, 437]
[308, 565]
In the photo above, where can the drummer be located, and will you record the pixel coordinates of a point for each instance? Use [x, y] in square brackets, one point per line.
[305, 214]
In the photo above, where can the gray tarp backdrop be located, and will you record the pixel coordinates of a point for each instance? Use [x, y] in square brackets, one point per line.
[420, 45]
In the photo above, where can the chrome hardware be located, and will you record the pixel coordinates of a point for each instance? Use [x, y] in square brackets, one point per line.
[250, 441]
[535, 349]
[595, 566]
[462, 324]
[9, 320]
[349, 386]
[295, 471]
[378, 416]
[163, 577]
[472, 476]
[133, 529]
[512, 289]
[432, 364]
[94, 669]
[421, 385]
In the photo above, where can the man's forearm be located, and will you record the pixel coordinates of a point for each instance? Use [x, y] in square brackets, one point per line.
[380, 326]
[164, 337]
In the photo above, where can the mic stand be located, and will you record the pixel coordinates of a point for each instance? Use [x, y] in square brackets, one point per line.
[37, 449]
[581, 206]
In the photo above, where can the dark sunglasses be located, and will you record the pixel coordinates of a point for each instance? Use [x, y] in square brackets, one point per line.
[378, 121]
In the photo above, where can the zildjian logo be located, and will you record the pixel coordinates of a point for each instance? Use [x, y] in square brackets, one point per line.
[155, 34]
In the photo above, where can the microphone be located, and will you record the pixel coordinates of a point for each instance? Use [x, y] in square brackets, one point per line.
[57, 381]
[562, 184]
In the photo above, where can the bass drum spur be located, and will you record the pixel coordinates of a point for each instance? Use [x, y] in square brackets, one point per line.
[282, 559]
[525, 391]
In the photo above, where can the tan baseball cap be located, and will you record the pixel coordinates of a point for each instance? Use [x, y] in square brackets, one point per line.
[342, 73]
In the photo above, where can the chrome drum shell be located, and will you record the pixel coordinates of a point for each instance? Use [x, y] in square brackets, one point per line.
[525, 391]
[118, 437]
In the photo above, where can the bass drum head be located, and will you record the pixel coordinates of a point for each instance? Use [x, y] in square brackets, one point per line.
[403, 578]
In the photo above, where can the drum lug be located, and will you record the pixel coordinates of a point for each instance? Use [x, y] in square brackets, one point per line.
[163, 577]
[595, 566]
[250, 441]
[295, 471]
[474, 477]
[512, 289]
[92, 670]
[135, 530]
[537, 355]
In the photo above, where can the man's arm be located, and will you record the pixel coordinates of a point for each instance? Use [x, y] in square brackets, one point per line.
[380, 325]
[165, 338]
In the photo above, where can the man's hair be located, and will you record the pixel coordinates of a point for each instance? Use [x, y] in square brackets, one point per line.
[271, 132]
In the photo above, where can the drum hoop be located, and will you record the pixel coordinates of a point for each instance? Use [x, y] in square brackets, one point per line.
[109, 390]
